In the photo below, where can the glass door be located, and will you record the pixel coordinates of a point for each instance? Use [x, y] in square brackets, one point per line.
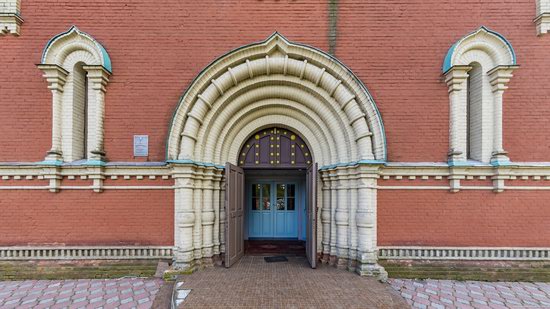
[285, 212]
[260, 221]
[273, 210]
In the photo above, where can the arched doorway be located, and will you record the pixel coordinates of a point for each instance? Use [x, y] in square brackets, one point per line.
[279, 84]
[278, 200]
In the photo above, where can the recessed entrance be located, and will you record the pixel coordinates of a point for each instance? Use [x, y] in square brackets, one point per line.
[232, 107]
[274, 164]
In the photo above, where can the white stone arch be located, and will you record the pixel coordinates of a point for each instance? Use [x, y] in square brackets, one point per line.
[304, 111]
[77, 68]
[497, 59]
[309, 68]
[89, 50]
[237, 136]
[283, 84]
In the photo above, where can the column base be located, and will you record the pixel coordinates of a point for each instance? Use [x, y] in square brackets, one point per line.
[372, 270]
[500, 158]
[53, 155]
[325, 257]
[342, 263]
[184, 266]
[454, 157]
[97, 155]
[352, 265]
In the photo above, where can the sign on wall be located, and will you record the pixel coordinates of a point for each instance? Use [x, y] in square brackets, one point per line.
[141, 145]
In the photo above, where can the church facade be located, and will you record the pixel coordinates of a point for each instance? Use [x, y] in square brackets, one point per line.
[367, 130]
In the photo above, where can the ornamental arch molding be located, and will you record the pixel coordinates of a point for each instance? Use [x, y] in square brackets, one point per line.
[281, 68]
[483, 62]
[77, 69]
[276, 83]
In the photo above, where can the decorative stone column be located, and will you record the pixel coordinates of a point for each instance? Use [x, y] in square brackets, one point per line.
[10, 17]
[208, 216]
[184, 216]
[198, 205]
[499, 77]
[542, 21]
[352, 229]
[333, 206]
[367, 251]
[217, 202]
[56, 77]
[456, 78]
[342, 218]
[325, 216]
[98, 77]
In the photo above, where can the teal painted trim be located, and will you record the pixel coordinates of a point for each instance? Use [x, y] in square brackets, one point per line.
[448, 58]
[105, 56]
[204, 164]
[353, 163]
[501, 163]
[94, 163]
[332, 166]
[49, 162]
[371, 162]
[331, 57]
[459, 163]
[447, 62]
[467, 163]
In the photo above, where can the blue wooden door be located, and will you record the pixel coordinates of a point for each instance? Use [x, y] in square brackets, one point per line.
[273, 210]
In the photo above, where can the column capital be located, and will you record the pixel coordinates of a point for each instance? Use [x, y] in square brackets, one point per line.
[456, 77]
[98, 75]
[55, 75]
[499, 76]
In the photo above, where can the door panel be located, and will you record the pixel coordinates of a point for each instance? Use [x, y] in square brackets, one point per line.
[234, 203]
[311, 228]
[277, 218]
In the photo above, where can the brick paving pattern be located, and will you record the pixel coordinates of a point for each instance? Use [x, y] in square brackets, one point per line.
[253, 283]
[86, 293]
[472, 294]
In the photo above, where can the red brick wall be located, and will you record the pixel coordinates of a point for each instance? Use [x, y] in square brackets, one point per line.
[395, 47]
[156, 48]
[82, 217]
[472, 218]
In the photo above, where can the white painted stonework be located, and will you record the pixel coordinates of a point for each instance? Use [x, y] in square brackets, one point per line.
[77, 69]
[277, 83]
[542, 21]
[10, 17]
[495, 57]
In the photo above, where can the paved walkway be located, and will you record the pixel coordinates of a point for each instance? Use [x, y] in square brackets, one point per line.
[253, 283]
[472, 294]
[88, 293]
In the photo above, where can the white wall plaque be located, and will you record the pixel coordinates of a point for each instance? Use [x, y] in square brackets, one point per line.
[141, 145]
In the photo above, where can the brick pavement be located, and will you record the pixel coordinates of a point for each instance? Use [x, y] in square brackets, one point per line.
[472, 294]
[85, 293]
[253, 283]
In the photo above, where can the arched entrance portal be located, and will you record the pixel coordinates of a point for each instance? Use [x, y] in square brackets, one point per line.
[275, 174]
[276, 83]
